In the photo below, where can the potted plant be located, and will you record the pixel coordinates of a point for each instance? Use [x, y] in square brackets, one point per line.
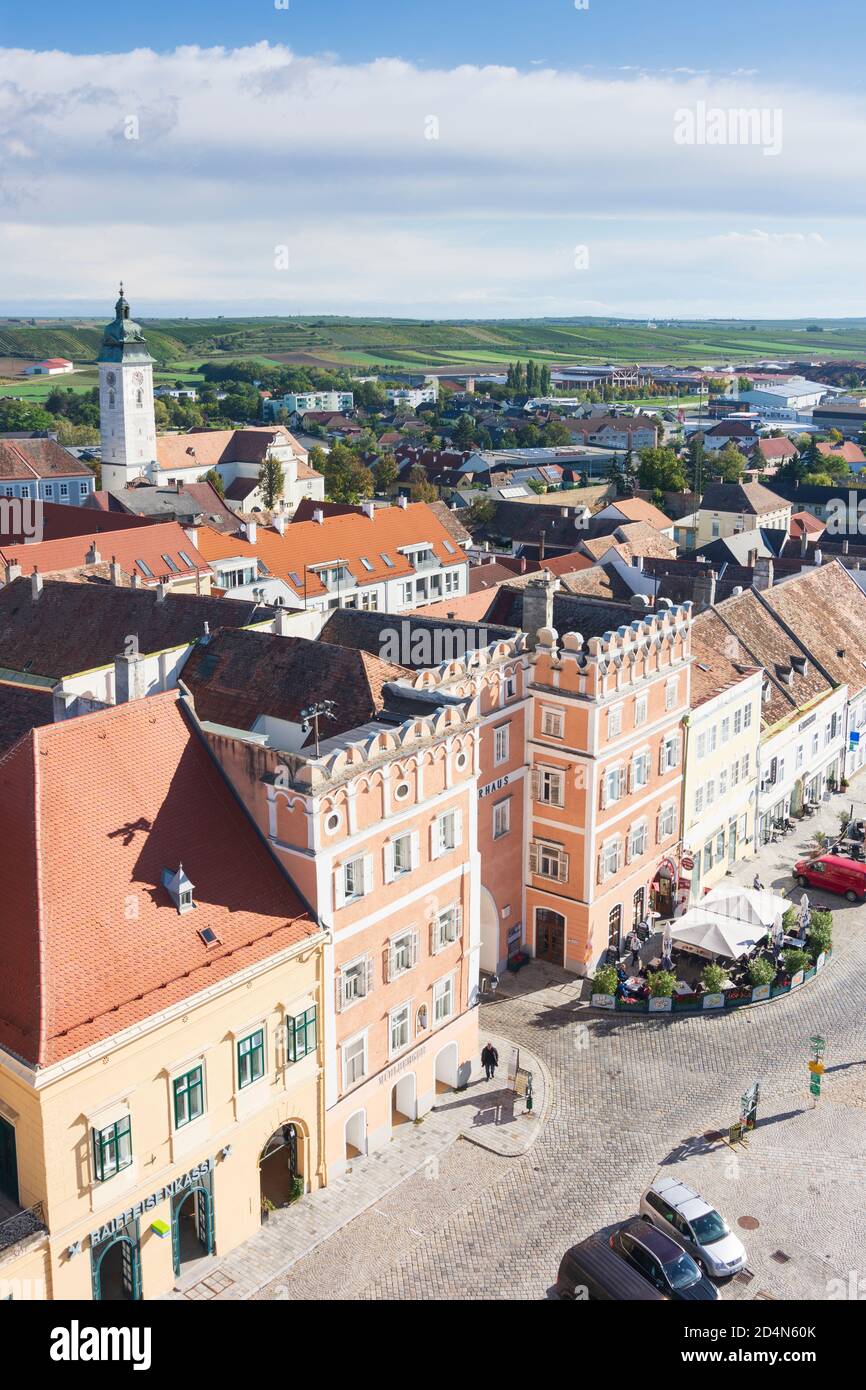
[296, 1188]
[820, 933]
[793, 960]
[713, 977]
[267, 1207]
[761, 971]
[604, 980]
[662, 984]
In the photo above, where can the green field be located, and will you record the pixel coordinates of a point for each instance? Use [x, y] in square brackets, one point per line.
[181, 345]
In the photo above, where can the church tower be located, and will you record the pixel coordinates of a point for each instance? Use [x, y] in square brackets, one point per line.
[126, 424]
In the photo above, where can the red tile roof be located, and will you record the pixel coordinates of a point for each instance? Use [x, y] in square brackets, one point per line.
[210, 447]
[22, 460]
[350, 537]
[130, 547]
[92, 810]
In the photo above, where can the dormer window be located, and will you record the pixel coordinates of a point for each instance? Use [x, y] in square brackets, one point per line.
[179, 888]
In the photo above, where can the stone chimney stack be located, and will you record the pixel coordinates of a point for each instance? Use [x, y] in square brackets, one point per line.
[279, 525]
[704, 590]
[116, 573]
[130, 680]
[35, 584]
[282, 626]
[93, 556]
[538, 605]
[13, 571]
[762, 575]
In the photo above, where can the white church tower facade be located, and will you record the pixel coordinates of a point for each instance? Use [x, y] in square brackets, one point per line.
[126, 422]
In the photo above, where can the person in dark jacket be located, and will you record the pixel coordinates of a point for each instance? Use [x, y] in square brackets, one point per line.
[490, 1061]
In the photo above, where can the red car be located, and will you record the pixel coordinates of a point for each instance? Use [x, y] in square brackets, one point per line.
[835, 874]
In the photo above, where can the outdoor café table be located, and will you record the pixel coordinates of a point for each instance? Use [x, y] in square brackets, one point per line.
[683, 988]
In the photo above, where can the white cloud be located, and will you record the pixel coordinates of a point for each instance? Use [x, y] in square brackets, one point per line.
[184, 170]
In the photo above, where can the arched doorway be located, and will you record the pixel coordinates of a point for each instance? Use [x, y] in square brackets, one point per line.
[356, 1135]
[403, 1107]
[191, 1227]
[281, 1168]
[489, 958]
[550, 935]
[445, 1069]
[116, 1271]
[663, 889]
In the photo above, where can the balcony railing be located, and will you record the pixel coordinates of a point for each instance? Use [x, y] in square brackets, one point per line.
[22, 1225]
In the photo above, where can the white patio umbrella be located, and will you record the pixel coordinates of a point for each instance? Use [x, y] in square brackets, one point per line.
[761, 907]
[710, 934]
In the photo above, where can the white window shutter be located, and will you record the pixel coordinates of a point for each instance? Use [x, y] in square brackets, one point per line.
[369, 974]
[458, 828]
[389, 861]
[414, 945]
[434, 838]
[533, 858]
[388, 964]
[603, 793]
[563, 866]
[434, 936]
[536, 784]
[662, 756]
[458, 920]
[601, 866]
[415, 849]
[368, 873]
[339, 886]
[338, 981]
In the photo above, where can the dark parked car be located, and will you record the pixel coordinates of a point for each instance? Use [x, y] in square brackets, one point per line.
[591, 1271]
[660, 1260]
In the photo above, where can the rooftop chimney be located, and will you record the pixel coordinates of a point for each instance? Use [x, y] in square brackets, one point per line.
[13, 571]
[537, 609]
[319, 516]
[804, 542]
[368, 509]
[161, 591]
[93, 556]
[36, 583]
[762, 577]
[402, 501]
[279, 525]
[282, 625]
[116, 573]
[135, 579]
[251, 530]
[704, 590]
[130, 678]
[818, 558]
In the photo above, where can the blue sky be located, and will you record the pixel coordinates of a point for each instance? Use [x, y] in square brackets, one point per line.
[449, 160]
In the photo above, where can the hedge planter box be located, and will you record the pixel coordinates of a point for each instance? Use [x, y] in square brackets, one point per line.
[603, 1001]
[631, 1006]
[714, 1001]
[697, 1003]
[660, 1004]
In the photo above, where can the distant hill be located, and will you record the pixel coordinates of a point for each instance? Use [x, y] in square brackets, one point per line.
[419, 344]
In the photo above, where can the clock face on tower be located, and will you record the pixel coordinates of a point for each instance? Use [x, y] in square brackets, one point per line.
[138, 378]
[110, 378]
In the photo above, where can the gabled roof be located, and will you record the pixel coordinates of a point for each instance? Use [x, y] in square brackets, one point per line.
[848, 450]
[57, 520]
[239, 676]
[173, 503]
[74, 627]
[634, 538]
[763, 641]
[207, 448]
[92, 811]
[22, 708]
[826, 610]
[140, 550]
[22, 460]
[715, 666]
[352, 627]
[351, 537]
[753, 498]
[638, 509]
[777, 448]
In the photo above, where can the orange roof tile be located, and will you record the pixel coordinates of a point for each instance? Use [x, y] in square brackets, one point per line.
[92, 810]
[130, 547]
[210, 447]
[352, 537]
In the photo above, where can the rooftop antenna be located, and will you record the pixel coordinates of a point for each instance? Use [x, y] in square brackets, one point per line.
[323, 709]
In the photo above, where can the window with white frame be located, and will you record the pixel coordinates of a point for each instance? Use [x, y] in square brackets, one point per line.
[502, 818]
[614, 721]
[445, 832]
[711, 791]
[640, 710]
[702, 745]
[613, 786]
[509, 687]
[548, 860]
[670, 752]
[443, 999]
[735, 773]
[447, 925]
[637, 840]
[747, 716]
[726, 731]
[548, 785]
[744, 764]
[354, 879]
[723, 782]
[354, 1060]
[671, 688]
[699, 801]
[552, 722]
[500, 744]
[399, 1028]
[713, 738]
[402, 953]
[799, 756]
[667, 820]
[611, 857]
[640, 769]
[738, 722]
[815, 740]
[354, 982]
[401, 855]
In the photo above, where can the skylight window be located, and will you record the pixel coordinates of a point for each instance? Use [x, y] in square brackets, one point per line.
[172, 566]
[387, 558]
[295, 578]
[209, 936]
[449, 547]
[186, 560]
[145, 569]
[366, 563]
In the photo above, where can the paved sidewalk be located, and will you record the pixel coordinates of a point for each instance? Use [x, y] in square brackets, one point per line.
[486, 1114]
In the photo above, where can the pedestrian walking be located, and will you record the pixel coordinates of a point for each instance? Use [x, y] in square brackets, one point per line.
[634, 947]
[757, 884]
[490, 1061]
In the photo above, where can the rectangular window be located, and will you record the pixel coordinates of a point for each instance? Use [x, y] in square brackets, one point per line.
[723, 782]
[671, 694]
[550, 786]
[403, 954]
[614, 785]
[354, 1061]
[447, 831]
[188, 1097]
[500, 744]
[548, 861]
[747, 716]
[509, 687]
[112, 1149]
[443, 999]
[699, 801]
[671, 752]
[738, 722]
[502, 818]
[355, 981]
[552, 723]
[614, 721]
[667, 820]
[713, 738]
[353, 878]
[640, 710]
[720, 846]
[638, 840]
[610, 858]
[446, 928]
[711, 791]
[251, 1058]
[702, 745]
[745, 766]
[64, 489]
[402, 847]
[301, 1035]
[399, 1028]
[726, 730]
[640, 770]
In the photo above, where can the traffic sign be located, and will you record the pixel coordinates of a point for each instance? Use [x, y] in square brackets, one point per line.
[816, 1068]
[815, 1086]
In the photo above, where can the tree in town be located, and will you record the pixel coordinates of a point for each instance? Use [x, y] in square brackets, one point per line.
[271, 481]
[346, 478]
[215, 480]
[729, 462]
[661, 470]
[385, 472]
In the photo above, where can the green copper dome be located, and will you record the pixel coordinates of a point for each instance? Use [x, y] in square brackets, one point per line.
[123, 340]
